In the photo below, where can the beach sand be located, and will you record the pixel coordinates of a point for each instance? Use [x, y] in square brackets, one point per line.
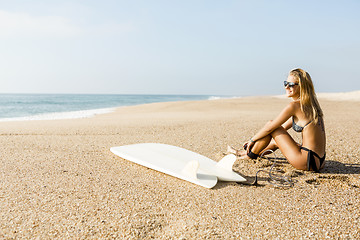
[60, 181]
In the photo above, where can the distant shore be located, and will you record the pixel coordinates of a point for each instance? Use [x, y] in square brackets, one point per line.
[340, 96]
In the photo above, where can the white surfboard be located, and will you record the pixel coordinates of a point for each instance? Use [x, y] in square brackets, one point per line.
[180, 163]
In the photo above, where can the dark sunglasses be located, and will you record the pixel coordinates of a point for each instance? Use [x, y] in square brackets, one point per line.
[290, 84]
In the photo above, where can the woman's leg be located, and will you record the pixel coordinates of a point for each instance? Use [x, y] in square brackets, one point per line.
[290, 149]
[261, 144]
[281, 139]
[272, 146]
[259, 147]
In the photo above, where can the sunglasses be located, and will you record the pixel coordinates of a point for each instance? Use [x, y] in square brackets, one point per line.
[290, 84]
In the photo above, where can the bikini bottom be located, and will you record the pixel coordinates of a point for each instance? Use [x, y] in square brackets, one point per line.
[311, 163]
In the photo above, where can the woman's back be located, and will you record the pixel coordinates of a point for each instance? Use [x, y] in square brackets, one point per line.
[314, 137]
[313, 134]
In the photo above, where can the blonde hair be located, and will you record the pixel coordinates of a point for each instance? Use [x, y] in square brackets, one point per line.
[308, 100]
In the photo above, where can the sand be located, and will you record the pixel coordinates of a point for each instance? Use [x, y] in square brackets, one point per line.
[60, 181]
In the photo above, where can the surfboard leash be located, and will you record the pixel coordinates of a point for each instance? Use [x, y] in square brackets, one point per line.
[276, 178]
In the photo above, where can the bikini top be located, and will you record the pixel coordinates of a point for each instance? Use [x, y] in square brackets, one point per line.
[298, 128]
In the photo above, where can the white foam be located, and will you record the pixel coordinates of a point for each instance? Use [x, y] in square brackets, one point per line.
[218, 98]
[61, 115]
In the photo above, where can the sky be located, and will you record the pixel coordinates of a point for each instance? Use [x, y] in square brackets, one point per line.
[209, 47]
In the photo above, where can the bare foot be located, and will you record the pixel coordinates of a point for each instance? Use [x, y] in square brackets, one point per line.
[231, 150]
[245, 157]
[236, 152]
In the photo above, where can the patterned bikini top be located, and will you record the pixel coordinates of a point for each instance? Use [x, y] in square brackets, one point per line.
[298, 128]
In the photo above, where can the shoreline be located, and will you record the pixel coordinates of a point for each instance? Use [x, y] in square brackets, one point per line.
[86, 112]
[90, 113]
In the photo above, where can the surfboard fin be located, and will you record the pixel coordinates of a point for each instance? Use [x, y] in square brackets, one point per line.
[227, 162]
[191, 168]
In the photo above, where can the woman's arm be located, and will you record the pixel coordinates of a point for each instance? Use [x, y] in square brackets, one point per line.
[288, 124]
[282, 119]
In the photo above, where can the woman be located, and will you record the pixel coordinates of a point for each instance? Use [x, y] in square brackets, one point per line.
[304, 115]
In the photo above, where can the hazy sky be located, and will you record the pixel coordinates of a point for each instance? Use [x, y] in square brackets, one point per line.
[215, 47]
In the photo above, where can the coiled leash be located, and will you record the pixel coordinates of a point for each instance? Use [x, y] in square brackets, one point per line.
[276, 176]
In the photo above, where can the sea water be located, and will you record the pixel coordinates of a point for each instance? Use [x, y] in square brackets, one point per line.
[23, 107]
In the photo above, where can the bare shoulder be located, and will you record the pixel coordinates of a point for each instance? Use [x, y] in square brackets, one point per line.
[293, 106]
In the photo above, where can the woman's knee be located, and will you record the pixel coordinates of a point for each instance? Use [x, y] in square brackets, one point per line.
[278, 131]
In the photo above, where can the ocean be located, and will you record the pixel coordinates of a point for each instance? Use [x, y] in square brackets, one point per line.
[25, 107]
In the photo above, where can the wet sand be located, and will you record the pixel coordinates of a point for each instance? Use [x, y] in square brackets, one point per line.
[60, 181]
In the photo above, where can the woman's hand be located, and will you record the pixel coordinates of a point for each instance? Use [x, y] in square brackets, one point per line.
[248, 145]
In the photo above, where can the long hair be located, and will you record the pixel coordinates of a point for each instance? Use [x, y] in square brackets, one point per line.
[308, 100]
